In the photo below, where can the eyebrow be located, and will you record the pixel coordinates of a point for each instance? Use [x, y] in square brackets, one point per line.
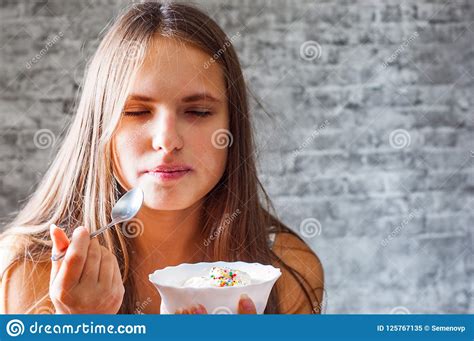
[201, 96]
[191, 98]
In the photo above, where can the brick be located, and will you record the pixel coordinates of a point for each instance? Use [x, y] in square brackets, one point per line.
[448, 223]
[443, 12]
[316, 164]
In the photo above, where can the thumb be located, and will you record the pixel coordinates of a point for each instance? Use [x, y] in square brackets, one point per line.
[246, 305]
[60, 244]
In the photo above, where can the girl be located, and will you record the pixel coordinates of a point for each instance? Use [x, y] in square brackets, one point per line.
[163, 107]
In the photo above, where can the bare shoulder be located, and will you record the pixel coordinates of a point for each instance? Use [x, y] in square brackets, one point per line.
[24, 288]
[305, 271]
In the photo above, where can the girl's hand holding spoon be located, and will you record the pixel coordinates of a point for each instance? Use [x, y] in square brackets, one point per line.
[85, 276]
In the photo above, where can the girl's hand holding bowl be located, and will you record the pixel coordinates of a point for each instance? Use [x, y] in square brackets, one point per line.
[245, 306]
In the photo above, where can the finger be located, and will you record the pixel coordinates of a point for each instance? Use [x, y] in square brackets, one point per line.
[117, 277]
[92, 265]
[198, 309]
[106, 271]
[202, 309]
[60, 244]
[76, 255]
[182, 311]
[246, 305]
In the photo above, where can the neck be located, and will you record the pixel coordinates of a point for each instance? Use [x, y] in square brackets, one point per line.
[169, 237]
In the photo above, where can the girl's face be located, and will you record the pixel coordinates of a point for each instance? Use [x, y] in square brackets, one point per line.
[177, 103]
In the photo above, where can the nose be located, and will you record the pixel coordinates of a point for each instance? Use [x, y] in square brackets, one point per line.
[166, 136]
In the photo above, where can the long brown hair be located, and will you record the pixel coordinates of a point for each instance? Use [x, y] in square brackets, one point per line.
[84, 191]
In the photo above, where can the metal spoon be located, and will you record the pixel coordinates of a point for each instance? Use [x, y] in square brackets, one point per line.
[124, 209]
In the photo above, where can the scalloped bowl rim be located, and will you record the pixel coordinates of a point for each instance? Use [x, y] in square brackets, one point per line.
[276, 275]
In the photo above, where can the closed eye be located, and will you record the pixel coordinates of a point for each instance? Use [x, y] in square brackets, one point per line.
[199, 113]
[135, 113]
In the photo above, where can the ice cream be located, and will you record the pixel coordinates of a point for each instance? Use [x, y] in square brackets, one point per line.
[219, 277]
[212, 285]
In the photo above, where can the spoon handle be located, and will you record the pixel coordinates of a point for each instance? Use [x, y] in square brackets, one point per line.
[99, 231]
[93, 234]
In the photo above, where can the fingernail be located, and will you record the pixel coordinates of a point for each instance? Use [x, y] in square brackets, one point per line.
[201, 309]
[51, 229]
[245, 302]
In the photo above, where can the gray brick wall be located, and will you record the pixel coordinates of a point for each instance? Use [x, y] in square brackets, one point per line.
[370, 152]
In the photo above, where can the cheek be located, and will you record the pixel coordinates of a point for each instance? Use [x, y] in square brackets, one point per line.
[126, 144]
[210, 159]
[127, 151]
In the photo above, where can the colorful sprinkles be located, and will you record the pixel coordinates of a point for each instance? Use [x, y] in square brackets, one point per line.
[224, 277]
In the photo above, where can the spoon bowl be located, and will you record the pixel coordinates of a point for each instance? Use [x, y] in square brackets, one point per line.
[124, 209]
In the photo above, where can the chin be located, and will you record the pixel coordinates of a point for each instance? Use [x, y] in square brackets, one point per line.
[165, 207]
[165, 202]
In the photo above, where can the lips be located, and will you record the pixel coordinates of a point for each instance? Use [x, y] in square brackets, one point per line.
[168, 173]
[169, 169]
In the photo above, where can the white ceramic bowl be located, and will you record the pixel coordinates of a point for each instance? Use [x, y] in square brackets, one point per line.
[217, 300]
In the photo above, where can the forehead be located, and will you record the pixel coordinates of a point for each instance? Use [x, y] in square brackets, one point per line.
[174, 68]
